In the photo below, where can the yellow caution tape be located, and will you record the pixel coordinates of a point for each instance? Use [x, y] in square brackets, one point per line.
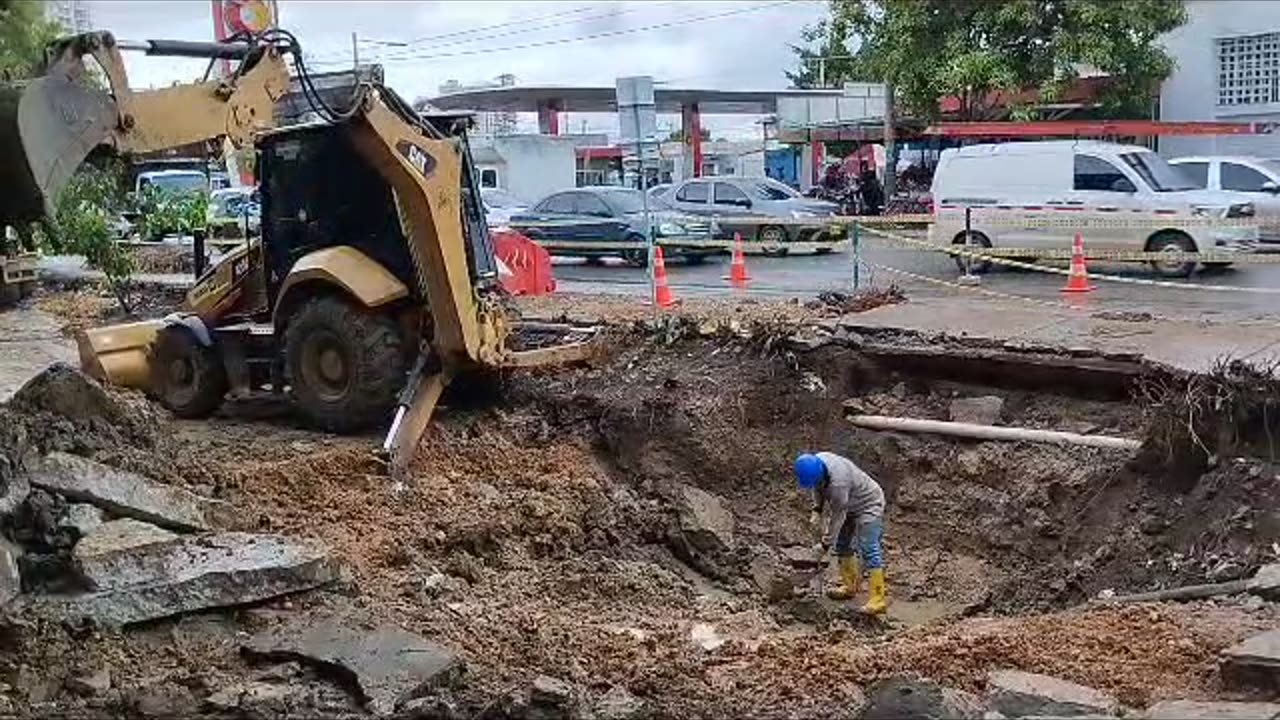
[962, 251]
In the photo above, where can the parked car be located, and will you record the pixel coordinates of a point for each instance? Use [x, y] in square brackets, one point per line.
[500, 205]
[1259, 178]
[1029, 188]
[603, 215]
[234, 210]
[173, 181]
[761, 198]
[660, 195]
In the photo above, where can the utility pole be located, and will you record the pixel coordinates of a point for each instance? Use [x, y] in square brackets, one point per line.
[890, 144]
[355, 54]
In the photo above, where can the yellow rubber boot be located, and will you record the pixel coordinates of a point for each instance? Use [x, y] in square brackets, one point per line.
[877, 604]
[850, 579]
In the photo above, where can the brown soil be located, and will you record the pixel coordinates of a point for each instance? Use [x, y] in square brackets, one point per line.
[549, 508]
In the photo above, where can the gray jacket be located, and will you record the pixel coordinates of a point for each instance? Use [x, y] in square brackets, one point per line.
[847, 492]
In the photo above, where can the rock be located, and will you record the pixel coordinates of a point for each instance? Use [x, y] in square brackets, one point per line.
[14, 485]
[1020, 694]
[113, 555]
[984, 410]
[428, 708]
[123, 493]
[163, 700]
[90, 685]
[897, 698]
[10, 576]
[1253, 663]
[1193, 710]
[195, 573]
[82, 518]
[1266, 582]
[770, 579]
[801, 556]
[706, 637]
[551, 691]
[241, 696]
[387, 666]
[706, 523]
[619, 704]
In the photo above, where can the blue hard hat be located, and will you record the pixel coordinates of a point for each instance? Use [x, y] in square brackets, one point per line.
[809, 470]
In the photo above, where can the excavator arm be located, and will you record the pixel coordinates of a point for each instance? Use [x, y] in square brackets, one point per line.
[49, 125]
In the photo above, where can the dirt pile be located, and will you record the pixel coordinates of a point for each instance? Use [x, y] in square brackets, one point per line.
[552, 531]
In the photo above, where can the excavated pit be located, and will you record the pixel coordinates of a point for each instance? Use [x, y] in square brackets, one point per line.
[543, 534]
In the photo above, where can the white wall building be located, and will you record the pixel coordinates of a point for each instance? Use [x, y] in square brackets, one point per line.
[73, 15]
[1228, 56]
[529, 167]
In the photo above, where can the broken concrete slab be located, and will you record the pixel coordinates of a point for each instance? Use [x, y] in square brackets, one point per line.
[705, 521]
[1266, 582]
[1253, 663]
[91, 684]
[82, 518]
[984, 410]
[257, 699]
[10, 576]
[115, 555]
[123, 493]
[551, 691]
[896, 698]
[387, 666]
[1195, 710]
[619, 704]
[195, 573]
[1021, 694]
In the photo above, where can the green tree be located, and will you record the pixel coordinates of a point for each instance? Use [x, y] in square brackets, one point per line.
[24, 32]
[825, 59]
[930, 49]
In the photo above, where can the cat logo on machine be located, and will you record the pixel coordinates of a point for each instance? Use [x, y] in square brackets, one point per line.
[417, 157]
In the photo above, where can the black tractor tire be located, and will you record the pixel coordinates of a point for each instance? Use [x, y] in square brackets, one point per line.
[344, 364]
[186, 377]
[1174, 241]
[977, 242]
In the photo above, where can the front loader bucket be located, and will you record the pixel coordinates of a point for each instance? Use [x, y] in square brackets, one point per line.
[48, 126]
[119, 354]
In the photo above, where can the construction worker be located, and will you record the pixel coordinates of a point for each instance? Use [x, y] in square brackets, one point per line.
[854, 503]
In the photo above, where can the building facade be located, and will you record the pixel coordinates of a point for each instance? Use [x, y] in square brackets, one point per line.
[73, 15]
[1228, 56]
[489, 123]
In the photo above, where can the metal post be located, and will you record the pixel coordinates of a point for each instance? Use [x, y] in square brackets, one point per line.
[197, 248]
[857, 256]
[968, 278]
[355, 54]
[644, 198]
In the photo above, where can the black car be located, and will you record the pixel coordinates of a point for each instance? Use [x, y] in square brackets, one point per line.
[598, 217]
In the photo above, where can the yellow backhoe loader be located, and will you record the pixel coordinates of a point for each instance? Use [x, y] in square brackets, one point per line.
[374, 282]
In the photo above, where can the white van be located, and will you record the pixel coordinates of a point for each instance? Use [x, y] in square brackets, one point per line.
[1038, 195]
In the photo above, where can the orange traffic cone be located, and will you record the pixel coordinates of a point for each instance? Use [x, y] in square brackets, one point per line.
[1078, 280]
[661, 293]
[738, 276]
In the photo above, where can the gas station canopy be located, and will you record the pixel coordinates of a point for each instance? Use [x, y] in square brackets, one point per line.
[603, 99]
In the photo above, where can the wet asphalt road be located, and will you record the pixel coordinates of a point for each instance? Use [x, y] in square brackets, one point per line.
[935, 274]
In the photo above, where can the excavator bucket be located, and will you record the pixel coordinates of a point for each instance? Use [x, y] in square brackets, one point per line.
[48, 126]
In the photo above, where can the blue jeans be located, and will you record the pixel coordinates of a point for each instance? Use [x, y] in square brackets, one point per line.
[869, 534]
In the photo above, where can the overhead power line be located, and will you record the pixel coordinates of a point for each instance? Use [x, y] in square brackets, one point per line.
[590, 37]
[468, 31]
[526, 28]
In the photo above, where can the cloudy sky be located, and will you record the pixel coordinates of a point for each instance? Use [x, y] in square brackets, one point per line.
[718, 44]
